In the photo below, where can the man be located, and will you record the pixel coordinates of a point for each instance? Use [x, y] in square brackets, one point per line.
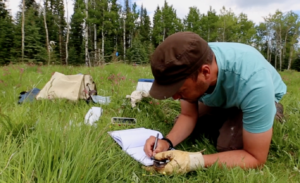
[228, 86]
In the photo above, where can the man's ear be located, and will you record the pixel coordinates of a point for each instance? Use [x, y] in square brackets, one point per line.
[205, 71]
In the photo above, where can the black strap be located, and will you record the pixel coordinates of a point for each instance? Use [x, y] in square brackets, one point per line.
[170, 143]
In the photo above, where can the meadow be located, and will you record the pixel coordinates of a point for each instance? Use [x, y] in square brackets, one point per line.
[47, 140]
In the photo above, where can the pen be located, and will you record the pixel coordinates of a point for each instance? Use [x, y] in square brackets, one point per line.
[155, 144]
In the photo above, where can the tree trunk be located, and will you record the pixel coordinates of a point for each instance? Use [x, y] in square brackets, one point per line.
[164, 32]
[60, 45]
[103, 37]
[285, 39]
[268, 51]
[23, 31]
[87, 60]
[68, 33]
[293, 41]
[208, 30]
[290, 58]
[95, 39]
[224, 31]
[98, 53]
[280, 53]
[276, 60]
[95, 44]
[47, 36]
[124, 38]
[131, 37]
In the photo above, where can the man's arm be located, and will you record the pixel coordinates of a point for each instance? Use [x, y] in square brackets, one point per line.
[181, 130]
[254, 154]
[185, 124]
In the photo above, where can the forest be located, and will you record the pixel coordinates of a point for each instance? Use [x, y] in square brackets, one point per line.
[104, 31]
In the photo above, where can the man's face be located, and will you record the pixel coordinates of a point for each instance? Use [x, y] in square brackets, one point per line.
[192, 89]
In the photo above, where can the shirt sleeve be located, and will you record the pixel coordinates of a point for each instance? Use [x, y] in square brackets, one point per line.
[258, 103]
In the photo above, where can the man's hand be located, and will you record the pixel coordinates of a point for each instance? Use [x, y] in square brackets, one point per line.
[162, 145]
[181, 130]
[180, 162]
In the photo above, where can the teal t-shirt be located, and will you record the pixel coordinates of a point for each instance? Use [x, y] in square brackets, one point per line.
[246, 80]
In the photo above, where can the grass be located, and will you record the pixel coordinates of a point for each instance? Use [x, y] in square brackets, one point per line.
[47, 141]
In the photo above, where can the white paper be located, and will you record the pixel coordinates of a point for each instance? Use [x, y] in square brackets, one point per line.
[132, 142]
[93, 115]
[144, 86]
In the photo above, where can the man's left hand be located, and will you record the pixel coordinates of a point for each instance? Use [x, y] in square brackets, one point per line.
[180, 162]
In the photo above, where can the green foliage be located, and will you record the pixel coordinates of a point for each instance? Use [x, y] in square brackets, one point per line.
[165, 23]
[296, 64]
[192, 22]
[209, 24]
[227, 25]
[246, 30]
[56, 25]
[138, 53]
[157, 27]
[76, 48]
[145, 25]
[6, 35]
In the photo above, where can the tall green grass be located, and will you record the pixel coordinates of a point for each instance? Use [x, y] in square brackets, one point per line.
[47, 141]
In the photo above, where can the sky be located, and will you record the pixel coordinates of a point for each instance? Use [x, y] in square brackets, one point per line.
[255, 9]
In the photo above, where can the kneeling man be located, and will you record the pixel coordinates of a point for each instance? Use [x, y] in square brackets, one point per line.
[226, 90]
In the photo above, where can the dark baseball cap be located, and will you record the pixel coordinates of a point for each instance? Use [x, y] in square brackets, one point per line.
[174, 60]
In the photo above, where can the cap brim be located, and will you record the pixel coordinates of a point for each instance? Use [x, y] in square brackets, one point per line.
[164, 91]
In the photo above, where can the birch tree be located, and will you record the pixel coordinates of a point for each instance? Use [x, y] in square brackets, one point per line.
[86, 33]
[209, 25]
[295, 35]
[227, 22]
[47, 35]
[278, 26]
[23, 30]
[6, 36]
[192, 22]
[68, 34]
[77, 28]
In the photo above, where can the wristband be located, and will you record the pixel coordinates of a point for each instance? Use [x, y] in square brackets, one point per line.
[170, 143]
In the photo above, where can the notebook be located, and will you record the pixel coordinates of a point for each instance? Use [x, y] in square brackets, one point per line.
[132, 141]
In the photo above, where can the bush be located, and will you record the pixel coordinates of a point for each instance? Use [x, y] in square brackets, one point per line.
[137, 53]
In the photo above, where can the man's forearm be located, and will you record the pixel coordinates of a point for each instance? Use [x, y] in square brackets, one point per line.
[233, 158]
[182, 129]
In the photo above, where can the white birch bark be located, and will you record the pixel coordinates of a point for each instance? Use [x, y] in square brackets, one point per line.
[95, 38]
[47, 36]
[87, 60]
[68, 33]
[103, 36]
[290, 58]
[280, 50]
[23, 31]
[124, 38]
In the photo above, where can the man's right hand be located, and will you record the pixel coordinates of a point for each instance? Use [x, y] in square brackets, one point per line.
[162, 146]
[180, 131]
